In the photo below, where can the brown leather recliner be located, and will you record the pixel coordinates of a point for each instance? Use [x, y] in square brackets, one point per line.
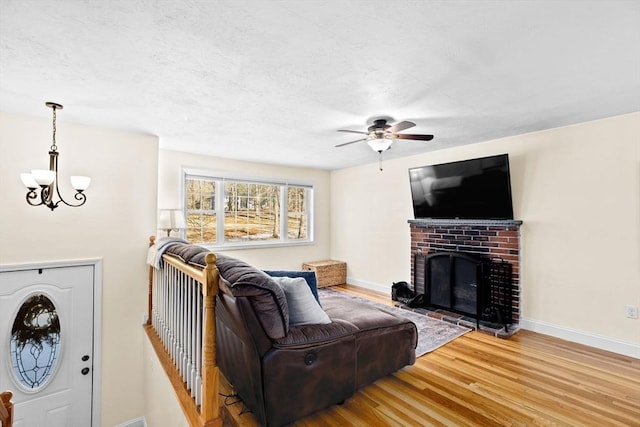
[282, 372]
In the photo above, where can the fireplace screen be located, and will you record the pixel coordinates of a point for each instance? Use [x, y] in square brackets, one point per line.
[468, 285]
[453, 282]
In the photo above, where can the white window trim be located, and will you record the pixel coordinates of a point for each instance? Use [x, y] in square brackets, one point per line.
[283, 241]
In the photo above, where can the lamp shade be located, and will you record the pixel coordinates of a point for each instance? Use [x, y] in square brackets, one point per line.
[43, 176]
[380, 144]
[28, 181]
[171, 219]
[80, 183]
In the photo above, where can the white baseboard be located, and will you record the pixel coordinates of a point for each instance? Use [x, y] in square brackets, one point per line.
[385, 289]
[138, 422]
[582, 337]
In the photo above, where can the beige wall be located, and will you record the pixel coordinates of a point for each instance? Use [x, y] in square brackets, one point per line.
[161, 404]
[577, 190]
[113, 225]
[171, 164]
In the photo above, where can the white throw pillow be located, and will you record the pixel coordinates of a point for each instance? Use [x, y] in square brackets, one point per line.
[303, 307]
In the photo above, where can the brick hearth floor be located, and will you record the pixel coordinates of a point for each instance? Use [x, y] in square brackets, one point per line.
[494, 329]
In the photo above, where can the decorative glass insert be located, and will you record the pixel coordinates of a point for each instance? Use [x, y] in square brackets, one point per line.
[35, 341]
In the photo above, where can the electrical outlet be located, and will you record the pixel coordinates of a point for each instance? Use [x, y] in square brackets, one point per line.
[632, 311]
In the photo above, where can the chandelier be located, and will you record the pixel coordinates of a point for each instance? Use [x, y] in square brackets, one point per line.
[45, 181]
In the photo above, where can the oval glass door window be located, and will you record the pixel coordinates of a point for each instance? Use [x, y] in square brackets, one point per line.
[35, 342]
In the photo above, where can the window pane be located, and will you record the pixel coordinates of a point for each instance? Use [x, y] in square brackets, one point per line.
[201, 227]
[200, 206]
[251, 212]
[297, 219]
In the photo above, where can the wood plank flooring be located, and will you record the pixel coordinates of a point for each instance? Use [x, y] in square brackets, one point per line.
[479, 380]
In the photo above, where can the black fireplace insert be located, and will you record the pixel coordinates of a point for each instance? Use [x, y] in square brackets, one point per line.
[467, 284]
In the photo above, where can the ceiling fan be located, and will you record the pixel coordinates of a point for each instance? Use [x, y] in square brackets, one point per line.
[380, 135]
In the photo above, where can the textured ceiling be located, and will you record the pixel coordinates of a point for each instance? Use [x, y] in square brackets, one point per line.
[272, 81]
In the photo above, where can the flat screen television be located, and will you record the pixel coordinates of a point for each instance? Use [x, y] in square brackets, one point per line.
[468, 189]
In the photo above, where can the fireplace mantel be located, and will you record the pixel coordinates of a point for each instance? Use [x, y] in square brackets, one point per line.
[427, 222]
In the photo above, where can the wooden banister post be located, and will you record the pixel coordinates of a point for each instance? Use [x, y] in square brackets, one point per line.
[152, 240]
[210, 408]
[6, 409]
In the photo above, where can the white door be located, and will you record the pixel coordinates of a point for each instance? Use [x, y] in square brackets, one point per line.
[46, 345]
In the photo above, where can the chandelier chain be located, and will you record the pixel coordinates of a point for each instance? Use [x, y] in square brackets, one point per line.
[54, 147]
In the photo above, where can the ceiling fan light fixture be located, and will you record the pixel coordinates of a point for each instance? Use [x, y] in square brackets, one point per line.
[380, 144]
[380, 135]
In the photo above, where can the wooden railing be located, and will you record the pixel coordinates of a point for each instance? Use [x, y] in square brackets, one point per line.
[181, 327]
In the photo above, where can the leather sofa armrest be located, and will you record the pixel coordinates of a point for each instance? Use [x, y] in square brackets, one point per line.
[304, 336]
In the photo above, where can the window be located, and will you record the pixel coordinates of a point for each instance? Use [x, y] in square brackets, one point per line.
[228, 211]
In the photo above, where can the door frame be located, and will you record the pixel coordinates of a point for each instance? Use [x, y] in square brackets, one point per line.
[96, 263]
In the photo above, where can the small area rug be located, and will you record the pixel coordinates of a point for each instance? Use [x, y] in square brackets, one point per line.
[432, 333]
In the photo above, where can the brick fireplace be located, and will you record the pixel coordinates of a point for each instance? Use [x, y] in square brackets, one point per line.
[488, 239]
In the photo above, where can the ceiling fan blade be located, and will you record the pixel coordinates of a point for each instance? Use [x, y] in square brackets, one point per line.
[350, 142]
[352, 131]
[409, 136]
[400, 126]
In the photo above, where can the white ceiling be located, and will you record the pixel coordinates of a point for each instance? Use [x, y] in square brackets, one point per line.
[272, 81]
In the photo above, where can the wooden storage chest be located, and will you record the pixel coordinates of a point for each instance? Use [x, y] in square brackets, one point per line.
[328, 272]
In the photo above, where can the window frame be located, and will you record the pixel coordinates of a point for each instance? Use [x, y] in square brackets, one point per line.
[222, 178]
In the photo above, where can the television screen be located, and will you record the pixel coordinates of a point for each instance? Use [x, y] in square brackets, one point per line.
[468, 189]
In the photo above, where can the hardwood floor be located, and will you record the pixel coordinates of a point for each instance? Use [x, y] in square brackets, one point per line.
[479, 380]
